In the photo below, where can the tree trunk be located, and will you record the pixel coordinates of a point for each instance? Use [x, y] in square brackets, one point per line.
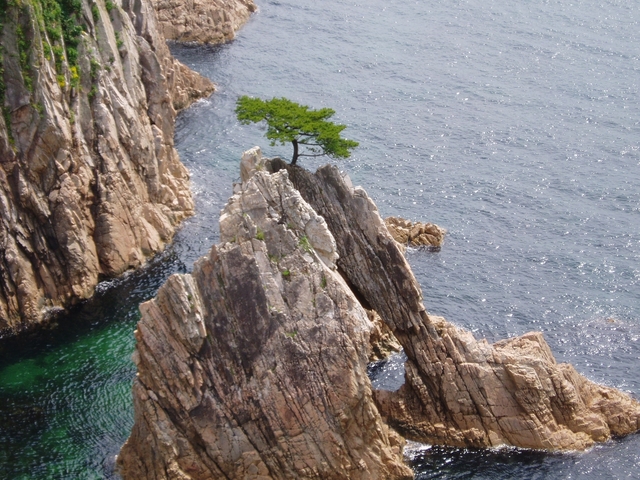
[294, 159]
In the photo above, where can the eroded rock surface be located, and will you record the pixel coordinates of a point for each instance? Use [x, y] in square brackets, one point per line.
[202, 21]
[415, 234]
[254, 366]
[458, 390]
[90, 182]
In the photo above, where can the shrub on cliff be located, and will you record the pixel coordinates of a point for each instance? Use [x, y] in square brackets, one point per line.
[310, 132]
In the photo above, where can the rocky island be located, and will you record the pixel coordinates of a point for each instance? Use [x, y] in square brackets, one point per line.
[254, 365]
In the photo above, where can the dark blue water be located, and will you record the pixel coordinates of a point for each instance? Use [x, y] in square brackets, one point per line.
[515, 125]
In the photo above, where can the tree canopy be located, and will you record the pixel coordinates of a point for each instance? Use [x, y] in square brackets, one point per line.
[307, 129]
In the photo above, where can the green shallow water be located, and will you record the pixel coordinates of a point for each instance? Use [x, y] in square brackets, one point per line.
[65, 394]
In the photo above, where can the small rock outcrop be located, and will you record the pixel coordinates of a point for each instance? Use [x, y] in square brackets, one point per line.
[202, 21]
[415, 234]
[90, 182]
[254, 365]
[458, 390]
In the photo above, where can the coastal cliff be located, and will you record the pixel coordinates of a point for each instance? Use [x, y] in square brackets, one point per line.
[90, 181]
[254, 365]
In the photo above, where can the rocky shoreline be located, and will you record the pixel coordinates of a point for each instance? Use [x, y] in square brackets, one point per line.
[254, 365]
[90, 182]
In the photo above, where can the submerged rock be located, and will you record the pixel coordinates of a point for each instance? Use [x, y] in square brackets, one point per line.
[254, 365]
[90, 182]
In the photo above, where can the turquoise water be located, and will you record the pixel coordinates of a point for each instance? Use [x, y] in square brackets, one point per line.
[515, 125]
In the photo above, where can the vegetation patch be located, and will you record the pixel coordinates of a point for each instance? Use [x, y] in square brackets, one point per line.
[24, 51]
[60, 21]
[305, 245]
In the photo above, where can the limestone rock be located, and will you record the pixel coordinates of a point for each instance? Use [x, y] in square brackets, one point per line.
[415, 234]
[254, 366]
[90, 182]
[202, 21]
[458, 390]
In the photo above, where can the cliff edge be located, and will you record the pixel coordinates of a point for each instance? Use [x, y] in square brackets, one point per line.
[90, 181]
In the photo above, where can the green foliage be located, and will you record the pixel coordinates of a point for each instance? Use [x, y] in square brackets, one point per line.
[260, 234]
[24, 50]
[119, 41]
[95, 68]
[305, 245]
[288, 121]
[93, 93]
[286, 274]
[75, 76]
[95, 12]
[109, 6]
[60, 20]
[323, 282]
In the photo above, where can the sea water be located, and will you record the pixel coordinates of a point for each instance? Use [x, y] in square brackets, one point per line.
[514, 125]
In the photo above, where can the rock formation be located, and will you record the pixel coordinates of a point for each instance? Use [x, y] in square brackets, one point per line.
[458, 391]
[415, 234]
[202, 21]
[90, 182]
[254, 365]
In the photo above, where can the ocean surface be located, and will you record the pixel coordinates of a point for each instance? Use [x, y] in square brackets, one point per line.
[514, 125]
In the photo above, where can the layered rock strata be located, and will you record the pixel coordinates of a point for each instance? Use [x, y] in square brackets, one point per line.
[415, 234]
[254, 366]
[458, 390]
[202, 21]
[90, 182]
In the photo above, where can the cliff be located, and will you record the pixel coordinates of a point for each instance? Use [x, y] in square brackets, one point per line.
[202, 21]
[254, 365]
[90, 182]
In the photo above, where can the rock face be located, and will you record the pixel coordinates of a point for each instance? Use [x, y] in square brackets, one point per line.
[416, 234]
[90, 183]
[458, 391]
[202, 21]
[254, 365]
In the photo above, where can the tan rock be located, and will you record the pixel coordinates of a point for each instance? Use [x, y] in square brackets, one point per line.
[202, 21]
[254, 365]
[381, 340]
[458, 390]
[90, 182]
[415, 234]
